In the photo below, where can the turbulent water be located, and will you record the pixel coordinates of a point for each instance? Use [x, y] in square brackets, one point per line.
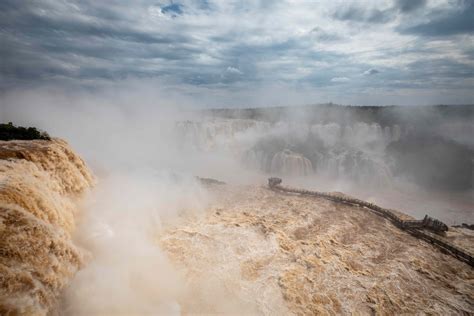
[39, 183]
[260, 252]
[168, 244]
[379, 163]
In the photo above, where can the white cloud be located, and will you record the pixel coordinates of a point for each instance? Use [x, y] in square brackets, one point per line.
[234, 71]
[340, 79]
[371, 71]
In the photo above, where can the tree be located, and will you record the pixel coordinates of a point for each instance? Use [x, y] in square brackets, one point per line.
[10, 132]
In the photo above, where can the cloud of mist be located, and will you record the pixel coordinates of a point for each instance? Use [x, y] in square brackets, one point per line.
[416, 159]
[127, 272]
[146, 180]
[146, 164]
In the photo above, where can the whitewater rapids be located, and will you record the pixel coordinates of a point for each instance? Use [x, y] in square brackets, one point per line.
[40, 182]
[249, 250]
[265, 253]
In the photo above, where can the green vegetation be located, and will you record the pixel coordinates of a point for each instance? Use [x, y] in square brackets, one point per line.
[11, 132]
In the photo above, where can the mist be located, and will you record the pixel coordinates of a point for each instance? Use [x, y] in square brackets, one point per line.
[146, 148]
[146, 181]
[368, 151]
[127, 272]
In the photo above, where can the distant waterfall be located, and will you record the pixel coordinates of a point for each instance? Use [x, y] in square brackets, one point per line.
[287, 162]
[348, 152]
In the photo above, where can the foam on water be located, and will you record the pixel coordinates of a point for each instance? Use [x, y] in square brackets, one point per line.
[39, 184]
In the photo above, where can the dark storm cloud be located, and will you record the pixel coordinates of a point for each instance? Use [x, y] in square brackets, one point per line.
[324, 36]
[25, 21]
[438, 73]
[358, 13]
[41, 40]
[409, 5]
[363, 13]
[173, 9]
[453, 21]
[227, 44]
[441, 69]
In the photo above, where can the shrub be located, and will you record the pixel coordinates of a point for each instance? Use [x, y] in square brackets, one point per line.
[11, 132]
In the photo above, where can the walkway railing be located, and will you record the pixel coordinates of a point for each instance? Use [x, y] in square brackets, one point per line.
[417, 228]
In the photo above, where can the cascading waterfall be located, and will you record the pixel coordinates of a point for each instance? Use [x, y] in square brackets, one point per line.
[287, 162]
[39, 182]
[354, 152]
[231, 249]
[209, 134]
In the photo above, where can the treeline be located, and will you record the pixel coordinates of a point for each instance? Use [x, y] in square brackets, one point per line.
[12, 132]
[347, 115]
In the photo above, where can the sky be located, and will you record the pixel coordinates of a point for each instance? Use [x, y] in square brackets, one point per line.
[245, 53]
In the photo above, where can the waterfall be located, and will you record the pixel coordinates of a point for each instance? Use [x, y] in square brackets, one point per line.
[289, 163]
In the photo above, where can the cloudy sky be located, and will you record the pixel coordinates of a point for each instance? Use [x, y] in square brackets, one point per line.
[240, 53]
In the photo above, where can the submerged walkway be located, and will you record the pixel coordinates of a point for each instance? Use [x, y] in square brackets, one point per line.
[417, 228]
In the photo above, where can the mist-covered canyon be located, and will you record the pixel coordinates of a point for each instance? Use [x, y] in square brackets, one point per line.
[381, 153]
[166, 211]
